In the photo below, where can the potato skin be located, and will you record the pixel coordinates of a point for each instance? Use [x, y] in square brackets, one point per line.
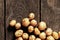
[25, 36]
[18, 33]
[49, 31]
[38, 39]
[36, 31]
[12, 23]
[42, 25]
[33, 22]
[30, 29]
[32, 37]
[18, 25]
[50, 38]
[55, 35]
[19, 38]
[42, 35]
[25, 22]
[31, 16]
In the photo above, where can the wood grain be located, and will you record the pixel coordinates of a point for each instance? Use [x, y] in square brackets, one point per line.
[50, 13]
[1, 19]
[18, 9]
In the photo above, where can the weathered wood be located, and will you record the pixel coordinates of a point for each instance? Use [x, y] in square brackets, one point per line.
[50, 12]
[1, 19]
[18, 9]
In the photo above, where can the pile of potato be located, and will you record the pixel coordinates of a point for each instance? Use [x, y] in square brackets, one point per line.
[35, 31]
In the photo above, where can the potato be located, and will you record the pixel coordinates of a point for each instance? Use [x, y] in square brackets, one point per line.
[25, 22]
[30, 29]
[50, 38]
[25, 36]
[42, 35]
[38, 39]
[12, 23]
[36, 31]
[32, 37]
[55, 35]
[18, 33]
[19, 38]
[49, 31]
[18, 25]
[31, 16]
[42, 25]
[33, 22]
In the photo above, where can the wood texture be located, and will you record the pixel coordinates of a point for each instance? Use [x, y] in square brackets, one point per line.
[1, 19]
[50, 12]
[18, 9]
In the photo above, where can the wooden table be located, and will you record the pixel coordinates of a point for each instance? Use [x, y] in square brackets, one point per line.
[45, 10]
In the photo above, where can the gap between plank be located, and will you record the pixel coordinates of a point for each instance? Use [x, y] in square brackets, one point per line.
[4, 19]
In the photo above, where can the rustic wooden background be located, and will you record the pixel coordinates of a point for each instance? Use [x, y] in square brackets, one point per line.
[45, 10]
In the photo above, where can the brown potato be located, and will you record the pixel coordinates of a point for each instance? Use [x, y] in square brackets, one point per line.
[19, 38]
[12, 22]
[50, 38]
[42, 35]
[30, 29]
[38, 39]
[31, 16]
[55, 35]
[25, 22]
[36, 31]
[18, 25]
[25, 36]
[33, 22]
[18, 33]
[42, 25]
[32, 37]
[49, 31]
[59, 34]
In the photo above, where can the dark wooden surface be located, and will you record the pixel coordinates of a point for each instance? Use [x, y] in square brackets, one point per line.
[1, 19]
[50, 12]
[18, 9]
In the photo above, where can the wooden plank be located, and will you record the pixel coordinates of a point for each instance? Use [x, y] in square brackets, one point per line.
[1, 19]
[18, 9]
[50, 12]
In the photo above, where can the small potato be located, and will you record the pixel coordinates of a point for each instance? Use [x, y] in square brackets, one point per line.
[36, 31]
[42, 35]
[32, 37]
[18, 33]
[49, 31]
[18, 25]
[38, 39]
[31, 16]
[25, 22]
[55, 35]
[42, 25]
[12, 22]
[19, 38]
[50, 38]
[59, 34]
[30, 29]
[25, 36]
[33, 22]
